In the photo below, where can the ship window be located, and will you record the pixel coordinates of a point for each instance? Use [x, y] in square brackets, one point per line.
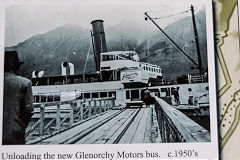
[76, 80]
[43, 98]
[112, 94]
[56, 98]
[163, 89]
[144, 67]
[36, 98]
[57, 82]
[135, 95]
[94, 95]
[86, 95]
[168, 91]
[165, 92]
[50, 98]
[172, 90]
[69, 81]
[103, 94]
[127, 95]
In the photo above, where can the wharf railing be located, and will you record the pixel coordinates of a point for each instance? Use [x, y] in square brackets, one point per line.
[50, 117]
[175, 126]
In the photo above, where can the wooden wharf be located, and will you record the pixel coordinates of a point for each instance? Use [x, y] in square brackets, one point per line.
[98, 121]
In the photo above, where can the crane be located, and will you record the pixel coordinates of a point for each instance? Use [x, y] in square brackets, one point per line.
[199, 64]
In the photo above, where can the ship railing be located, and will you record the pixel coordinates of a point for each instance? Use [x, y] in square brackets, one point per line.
[175, 126]
[197, 78]
[52, 117]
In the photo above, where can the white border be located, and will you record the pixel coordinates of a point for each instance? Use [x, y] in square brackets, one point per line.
[206, 150]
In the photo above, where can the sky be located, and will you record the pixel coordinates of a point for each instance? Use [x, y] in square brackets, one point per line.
[24, 20]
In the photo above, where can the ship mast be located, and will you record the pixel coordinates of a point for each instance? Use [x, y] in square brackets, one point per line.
[197, 42]
[199, 64]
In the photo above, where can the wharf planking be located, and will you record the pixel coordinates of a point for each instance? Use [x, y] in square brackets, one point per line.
[122, 129]
[105, 132]
[132, 125]
[136, 131]
[65, 136]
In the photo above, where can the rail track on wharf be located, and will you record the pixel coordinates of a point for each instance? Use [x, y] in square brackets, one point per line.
[116, 126]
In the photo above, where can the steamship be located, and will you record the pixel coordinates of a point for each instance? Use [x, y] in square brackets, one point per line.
[120, 74]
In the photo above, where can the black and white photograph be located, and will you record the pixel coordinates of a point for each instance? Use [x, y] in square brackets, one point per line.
[108, 72]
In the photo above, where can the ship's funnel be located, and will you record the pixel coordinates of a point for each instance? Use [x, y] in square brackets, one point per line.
[64, 67]
[99, 41]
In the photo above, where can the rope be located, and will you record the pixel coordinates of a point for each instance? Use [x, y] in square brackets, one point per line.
[147, 40]
[156, 18]
[145, 36]
[87, 57]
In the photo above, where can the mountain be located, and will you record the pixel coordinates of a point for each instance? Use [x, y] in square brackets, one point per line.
[72, 43]
[47, 51]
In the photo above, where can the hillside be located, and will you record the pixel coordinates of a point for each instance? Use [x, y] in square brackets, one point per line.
[71, 43]
[159, 50]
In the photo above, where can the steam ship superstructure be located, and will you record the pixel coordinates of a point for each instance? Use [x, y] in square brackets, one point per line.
[121, 75]
[116, 71]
